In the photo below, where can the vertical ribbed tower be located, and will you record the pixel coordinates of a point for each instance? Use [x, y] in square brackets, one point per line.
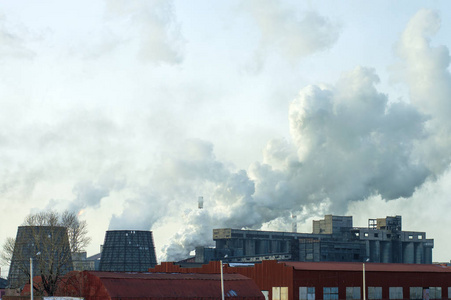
[128, 251]
[48, 246]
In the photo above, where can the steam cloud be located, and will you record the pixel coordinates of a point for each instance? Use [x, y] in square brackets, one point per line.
[159, 36]
[293, 36]
[11, 45]
[349, 143]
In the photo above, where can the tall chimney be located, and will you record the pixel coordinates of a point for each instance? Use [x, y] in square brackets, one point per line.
[294, 225]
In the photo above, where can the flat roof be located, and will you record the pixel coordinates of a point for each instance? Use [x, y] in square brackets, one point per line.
[371, 267]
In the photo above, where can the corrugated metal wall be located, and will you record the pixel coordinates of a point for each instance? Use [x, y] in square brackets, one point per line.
[266, 275]
[272, 276]
[384, 280]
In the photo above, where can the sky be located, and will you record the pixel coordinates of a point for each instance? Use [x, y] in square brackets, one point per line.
[127, 111]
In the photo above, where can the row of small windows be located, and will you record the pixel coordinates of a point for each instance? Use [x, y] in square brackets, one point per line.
[331, 293]
[366, 234]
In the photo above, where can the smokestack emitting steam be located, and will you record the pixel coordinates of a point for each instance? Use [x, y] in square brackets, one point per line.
[200, 202]
[294, 225]
[335, 130]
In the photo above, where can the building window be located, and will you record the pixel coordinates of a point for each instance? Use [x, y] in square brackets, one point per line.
[416, 293]
[395, 292]
[306, 293]
[279, 293]
[366, 234]
[266, 294]
[374, 292]
[376, 235]
[420, 237]
[330, 293]
[353, 292]
[435, 292]
[410, 237]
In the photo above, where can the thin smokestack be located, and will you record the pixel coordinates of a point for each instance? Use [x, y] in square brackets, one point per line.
[294, 224]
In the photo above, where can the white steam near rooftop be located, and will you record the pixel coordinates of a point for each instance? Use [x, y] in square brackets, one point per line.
[348, 144]
[129, 111]
[425, 68]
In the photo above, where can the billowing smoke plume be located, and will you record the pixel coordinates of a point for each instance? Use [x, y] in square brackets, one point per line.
[115, 146]
[425, 70]
[158, 32]
[349, 142]
[11, 44]
[287, 33]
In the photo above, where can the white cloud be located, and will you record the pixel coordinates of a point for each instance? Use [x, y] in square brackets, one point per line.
[424, 68]
[293, 36]
[152, 25]
[11, 43]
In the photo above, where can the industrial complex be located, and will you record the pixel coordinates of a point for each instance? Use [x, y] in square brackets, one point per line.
[333, 239]
[335, 261]
[335, 280]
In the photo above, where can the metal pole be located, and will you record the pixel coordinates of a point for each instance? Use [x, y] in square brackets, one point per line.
[364, 288]
[222, 281]
[31, 278]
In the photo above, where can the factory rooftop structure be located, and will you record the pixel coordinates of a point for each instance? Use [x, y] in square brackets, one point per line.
[95, 285]
[284, 280]
[333, 239]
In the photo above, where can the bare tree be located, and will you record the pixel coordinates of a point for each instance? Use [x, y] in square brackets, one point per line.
[7, 250]
[77, 232]
[47, 239]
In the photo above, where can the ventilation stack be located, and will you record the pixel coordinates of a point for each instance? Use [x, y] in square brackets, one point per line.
[200, 202]
[128, 251]
[294, 225]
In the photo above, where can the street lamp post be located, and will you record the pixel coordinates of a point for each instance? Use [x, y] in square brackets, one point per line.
[31, 275]
[222, 281]
[31, 278]
[364, 288]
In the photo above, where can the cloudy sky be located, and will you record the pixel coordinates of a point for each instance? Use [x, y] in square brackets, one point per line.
[127, 111]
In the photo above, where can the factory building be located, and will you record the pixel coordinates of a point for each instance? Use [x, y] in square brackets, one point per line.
[333, 239]
[127, 251]
[335, 280]
[81, 262]
[94, 285]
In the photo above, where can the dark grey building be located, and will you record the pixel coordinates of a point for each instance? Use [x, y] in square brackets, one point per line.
[128, 251]
[333, 239]
[47, 246]
[81, 262]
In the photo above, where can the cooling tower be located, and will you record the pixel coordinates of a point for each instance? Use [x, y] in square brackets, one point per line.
[44, 244]
[128, 251]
